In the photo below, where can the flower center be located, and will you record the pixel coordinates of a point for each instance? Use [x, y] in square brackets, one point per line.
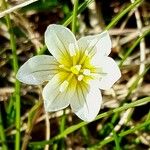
[80, 70]
[75, 69]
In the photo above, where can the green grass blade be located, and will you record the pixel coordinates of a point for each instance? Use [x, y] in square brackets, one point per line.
[132, 47]
[122, 134]
[2, 133]
[17, 83]
[123, 12]
[78, 126]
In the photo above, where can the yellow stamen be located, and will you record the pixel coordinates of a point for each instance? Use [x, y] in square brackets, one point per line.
[75, 69]
[85, 55]
[70, 77]
[63, 67]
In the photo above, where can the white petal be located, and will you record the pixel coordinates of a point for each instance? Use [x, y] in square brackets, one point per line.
[99, 44]
[86, 102]
[110, 67]
[54, 98]
[58, 38]
[37, 70]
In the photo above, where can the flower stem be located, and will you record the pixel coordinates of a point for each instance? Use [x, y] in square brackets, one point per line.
[17, 83]
[74, 19]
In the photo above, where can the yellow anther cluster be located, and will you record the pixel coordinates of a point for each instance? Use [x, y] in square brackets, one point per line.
[76, 69]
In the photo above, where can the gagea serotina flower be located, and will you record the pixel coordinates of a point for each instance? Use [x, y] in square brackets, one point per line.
[75, 72]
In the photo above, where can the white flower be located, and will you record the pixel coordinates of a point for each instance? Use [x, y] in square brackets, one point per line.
[75, 72]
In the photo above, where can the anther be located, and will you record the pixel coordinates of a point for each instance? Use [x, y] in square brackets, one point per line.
[86, 52]
[80, 77]
[86, 72]
[75, 69]
[61, 66]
